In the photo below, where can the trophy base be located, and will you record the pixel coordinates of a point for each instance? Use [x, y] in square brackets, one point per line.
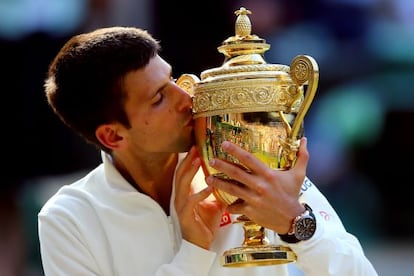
[260, 255]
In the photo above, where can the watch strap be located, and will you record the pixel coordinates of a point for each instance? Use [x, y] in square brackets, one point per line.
[289, 238]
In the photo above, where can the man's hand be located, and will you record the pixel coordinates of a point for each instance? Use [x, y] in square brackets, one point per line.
[268, 197]
[199, 217]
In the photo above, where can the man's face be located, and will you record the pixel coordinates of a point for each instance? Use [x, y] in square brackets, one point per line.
[158, 110]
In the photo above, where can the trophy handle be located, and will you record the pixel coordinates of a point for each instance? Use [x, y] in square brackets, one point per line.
[304, 70]
[188, 82]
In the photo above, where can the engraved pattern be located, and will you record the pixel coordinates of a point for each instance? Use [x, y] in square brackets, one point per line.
[201, 102]
[301, 69]
[301, 72]
[263, 95]
[213, 99]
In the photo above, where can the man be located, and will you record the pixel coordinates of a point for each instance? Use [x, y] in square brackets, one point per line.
[141, 212]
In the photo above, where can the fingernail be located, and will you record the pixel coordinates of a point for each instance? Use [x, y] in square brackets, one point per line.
[225, 145]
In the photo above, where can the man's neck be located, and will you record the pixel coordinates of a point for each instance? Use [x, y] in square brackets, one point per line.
[153, 176]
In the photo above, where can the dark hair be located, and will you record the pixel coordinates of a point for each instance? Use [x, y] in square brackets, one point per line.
[84, 85]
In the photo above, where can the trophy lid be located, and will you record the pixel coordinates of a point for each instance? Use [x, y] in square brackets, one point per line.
[243, 54]
[247, 83]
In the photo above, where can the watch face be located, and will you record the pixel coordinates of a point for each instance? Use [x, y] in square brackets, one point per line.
[305, 227]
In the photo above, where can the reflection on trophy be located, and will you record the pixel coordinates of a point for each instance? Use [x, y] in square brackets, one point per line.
[258, 106]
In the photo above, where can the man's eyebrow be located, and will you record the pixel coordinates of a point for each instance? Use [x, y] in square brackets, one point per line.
[164, 85]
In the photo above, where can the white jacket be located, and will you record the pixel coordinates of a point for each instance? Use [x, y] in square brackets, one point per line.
[100, 225]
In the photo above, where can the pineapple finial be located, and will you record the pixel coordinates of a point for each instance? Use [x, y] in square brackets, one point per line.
[243, 25]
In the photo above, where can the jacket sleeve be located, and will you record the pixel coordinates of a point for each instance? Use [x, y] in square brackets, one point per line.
[332, 250]
[62, 249]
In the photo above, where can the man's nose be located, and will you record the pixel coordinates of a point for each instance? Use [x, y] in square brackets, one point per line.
[184, 98]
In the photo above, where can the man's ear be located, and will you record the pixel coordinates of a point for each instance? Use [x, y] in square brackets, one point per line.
[108, 135]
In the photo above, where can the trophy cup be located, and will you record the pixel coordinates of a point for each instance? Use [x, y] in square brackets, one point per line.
[258, 106]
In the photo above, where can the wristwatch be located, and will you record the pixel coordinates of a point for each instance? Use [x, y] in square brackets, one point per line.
[303, 227]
